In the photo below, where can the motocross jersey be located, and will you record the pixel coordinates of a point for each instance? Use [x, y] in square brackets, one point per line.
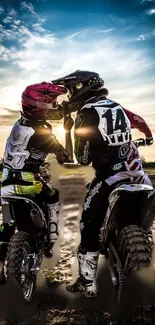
[103, 137]
[28, 145]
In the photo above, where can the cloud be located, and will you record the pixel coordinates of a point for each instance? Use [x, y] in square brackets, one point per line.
[38, 27]
[17, 22]
[8, 117]
[7, 19]
[106, 30]
[141, 38]
[41, 55]
[12, 12]
[117, 20]
[28, 6]
[147, 36]
[1, 10]
[41, 20]
[146, 1]
[10, 16]
[151, 11]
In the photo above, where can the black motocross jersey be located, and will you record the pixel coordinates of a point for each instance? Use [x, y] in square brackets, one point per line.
[103, 138]
[28, 145]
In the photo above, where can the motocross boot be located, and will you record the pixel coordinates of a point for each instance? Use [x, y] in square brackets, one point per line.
[52, 220]
[86, 282]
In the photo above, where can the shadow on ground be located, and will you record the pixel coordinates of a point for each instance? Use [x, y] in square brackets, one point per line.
[54, 305]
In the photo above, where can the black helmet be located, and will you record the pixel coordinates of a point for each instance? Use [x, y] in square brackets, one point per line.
[81, 84]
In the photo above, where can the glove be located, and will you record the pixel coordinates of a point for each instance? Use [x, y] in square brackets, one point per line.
[68, 123]
[72, 106]
[149, 141]
[63, 157]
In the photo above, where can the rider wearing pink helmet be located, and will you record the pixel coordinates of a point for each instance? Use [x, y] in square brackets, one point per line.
[39, 101]
[27, 146]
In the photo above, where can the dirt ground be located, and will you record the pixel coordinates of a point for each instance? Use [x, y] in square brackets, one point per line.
[54, 305]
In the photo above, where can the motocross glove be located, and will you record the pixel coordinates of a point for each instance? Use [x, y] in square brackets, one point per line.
[149, 141]
[63, 157]
[72, 106]
[68, 123]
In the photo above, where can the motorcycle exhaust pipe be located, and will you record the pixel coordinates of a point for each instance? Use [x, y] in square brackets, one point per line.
[37, 219]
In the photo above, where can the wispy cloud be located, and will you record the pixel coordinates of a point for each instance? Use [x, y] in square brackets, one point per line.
[115, 45]
[12, 12]
[1, 10]
[146, 1]
[7, 20]
[41, 58]
[41, 20]
[10, 16]
[151, 11]
[28, 6]
[141, 38]
[119, 21]
[37, 54]
[38, 27]
[109, 30]
[17, 22]
[147, 36]
[8, 117]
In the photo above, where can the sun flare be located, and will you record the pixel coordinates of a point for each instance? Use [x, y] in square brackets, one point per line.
[60, 130]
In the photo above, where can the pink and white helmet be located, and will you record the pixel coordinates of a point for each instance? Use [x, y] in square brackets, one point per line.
[39, 100]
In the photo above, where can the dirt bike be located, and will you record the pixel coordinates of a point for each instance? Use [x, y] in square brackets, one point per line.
[27, 246]
[125, 239]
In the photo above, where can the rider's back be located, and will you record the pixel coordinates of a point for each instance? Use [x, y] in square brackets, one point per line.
[27, 145]
[107, 138]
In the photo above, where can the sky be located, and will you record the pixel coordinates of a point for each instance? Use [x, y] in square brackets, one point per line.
[41, 40]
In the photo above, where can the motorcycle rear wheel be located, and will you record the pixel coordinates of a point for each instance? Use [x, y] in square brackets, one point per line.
[18, 264]
[135, 249]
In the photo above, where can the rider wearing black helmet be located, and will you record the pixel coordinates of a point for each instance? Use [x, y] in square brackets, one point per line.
[103, 138]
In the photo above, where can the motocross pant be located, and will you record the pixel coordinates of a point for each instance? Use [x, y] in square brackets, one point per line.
[94, 211]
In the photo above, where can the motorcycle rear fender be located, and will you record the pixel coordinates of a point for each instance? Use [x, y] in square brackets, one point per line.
[128, 204]
[6, 214]
[19, 209]
[131, 188]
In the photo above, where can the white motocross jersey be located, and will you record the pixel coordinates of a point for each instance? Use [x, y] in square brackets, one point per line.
[114, 125]
[28, 145]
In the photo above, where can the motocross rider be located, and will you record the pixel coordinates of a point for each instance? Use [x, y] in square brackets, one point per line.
[27, 146]
[102, 136]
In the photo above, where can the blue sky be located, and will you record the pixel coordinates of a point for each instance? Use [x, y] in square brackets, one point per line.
[45, 39]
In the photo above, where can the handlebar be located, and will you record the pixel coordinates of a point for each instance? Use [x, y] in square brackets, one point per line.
[139, 142]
